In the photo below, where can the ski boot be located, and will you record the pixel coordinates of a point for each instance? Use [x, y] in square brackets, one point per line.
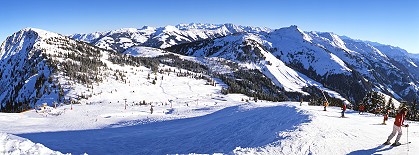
[396, 144]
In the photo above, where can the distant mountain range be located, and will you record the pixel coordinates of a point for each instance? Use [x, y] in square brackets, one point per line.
[318, 55]
[37, 64]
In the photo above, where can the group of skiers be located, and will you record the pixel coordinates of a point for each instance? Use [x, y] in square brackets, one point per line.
[398, 122]
[325, 104]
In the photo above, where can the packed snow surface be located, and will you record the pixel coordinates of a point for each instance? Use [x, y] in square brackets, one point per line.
[238, 128]
[10, 144]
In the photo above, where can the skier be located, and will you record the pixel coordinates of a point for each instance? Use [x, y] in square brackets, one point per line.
[151, 110]
[397, 127]
[301, 101]
[343, 110]
[386, 116]
[325, 104]
[361, 109]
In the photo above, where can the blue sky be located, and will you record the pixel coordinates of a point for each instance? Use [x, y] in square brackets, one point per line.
[385, 21]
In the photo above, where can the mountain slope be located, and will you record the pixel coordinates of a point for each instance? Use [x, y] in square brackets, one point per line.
[25, 68]
[258, 51]
[43, 67]
[347, 66]
[392, 70]
[248, 50]
[72, 72]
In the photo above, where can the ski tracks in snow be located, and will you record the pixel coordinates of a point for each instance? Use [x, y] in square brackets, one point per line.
[327, 133]
[251, 128]
[219, 132]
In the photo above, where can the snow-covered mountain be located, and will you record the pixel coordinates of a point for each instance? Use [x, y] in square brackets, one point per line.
[25, 69]
[39, 67]
[162, 37]
[293, 60]
[376, 66]
[350, 67]
[390, 66]
[248, 49]
[400, 57]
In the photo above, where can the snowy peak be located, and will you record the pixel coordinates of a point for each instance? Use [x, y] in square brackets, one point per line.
[228, 26]
[292, 32]
[294, 46]
[330, 38]
[163, 37]
[12, 44]
[34, 63]
[168, 29]
[22, 39]
[232, 28]
[147, 29]
[198, 26]
[124, 30]
[89, 37]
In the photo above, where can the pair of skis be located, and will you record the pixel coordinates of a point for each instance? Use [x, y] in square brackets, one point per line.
[395, 145]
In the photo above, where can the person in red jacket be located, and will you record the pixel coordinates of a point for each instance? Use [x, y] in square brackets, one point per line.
[343, 109]
[397, 127]
[361, 109]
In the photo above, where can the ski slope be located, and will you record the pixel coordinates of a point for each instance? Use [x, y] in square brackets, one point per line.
[238, 128]
[327, 133]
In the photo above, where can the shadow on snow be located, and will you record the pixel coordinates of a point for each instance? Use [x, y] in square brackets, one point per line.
[374, 150]
[219, 132]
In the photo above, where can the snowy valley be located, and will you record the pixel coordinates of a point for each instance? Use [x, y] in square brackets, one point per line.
[201, 88]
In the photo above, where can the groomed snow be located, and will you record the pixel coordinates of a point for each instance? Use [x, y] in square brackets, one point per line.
[10, 144]
[237, 128]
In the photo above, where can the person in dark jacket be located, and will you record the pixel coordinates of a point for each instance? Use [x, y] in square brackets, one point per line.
[397, 127]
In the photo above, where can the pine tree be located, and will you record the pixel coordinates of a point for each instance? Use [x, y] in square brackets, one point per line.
[374, 102]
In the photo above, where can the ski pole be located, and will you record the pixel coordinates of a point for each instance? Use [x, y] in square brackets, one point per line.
[325, 97]
[407, 138]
